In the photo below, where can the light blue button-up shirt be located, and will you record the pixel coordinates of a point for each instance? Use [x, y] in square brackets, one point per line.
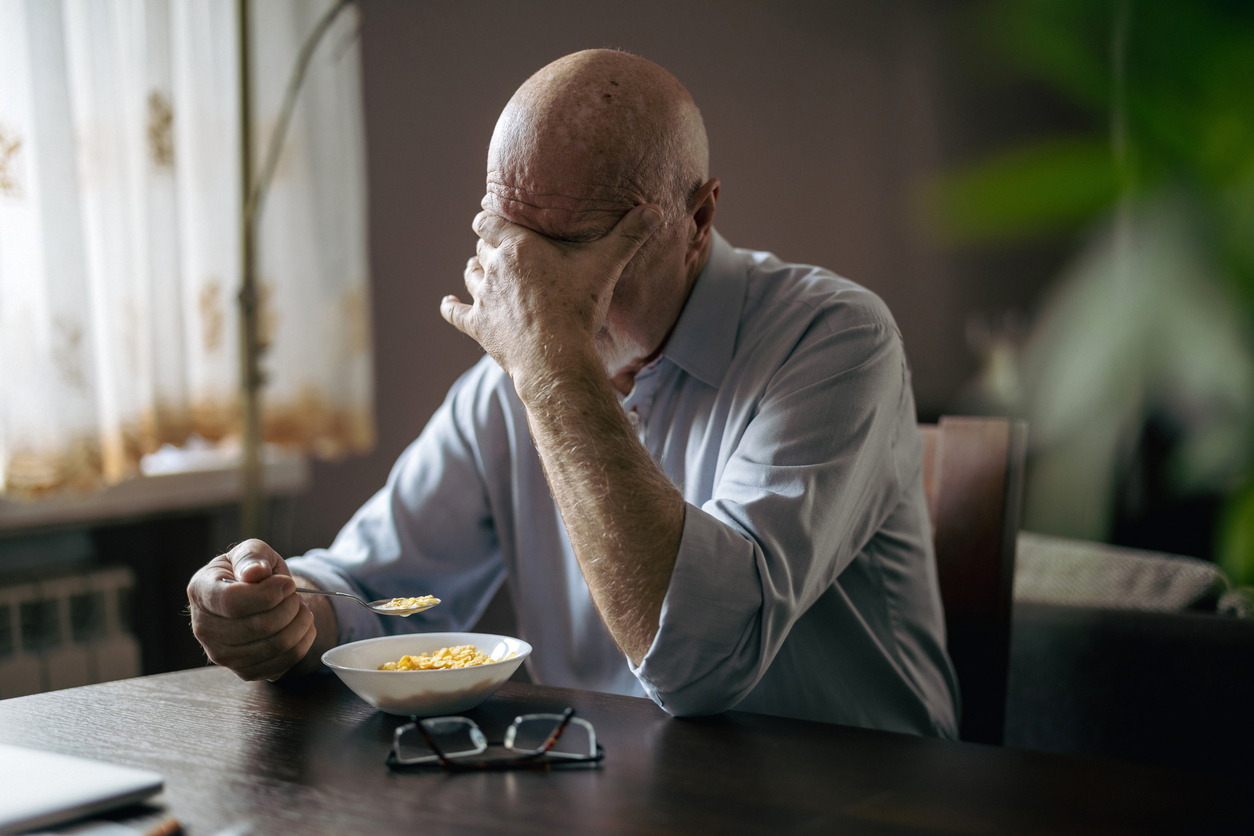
[805, 583]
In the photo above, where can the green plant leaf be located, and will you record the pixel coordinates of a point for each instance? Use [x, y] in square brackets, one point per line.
[1236, 537]
[1047, 186]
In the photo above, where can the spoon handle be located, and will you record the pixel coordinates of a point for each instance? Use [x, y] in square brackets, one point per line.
[320, 592]
[338, 594]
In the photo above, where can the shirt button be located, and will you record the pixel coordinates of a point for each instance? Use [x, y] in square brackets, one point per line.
[633, 418]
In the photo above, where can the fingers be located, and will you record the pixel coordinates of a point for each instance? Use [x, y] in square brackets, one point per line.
[253, 560]
[491, 228]
[454, 311]
[233, 599]
[275, 655]
[263, 645]
[632, 230]
[267, 653]
[457, 313]
[246, 615]
[224, 631]
[218, 589]
[281, 664]
[473, 276]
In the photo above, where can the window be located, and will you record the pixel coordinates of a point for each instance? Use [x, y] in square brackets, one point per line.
[119, 237]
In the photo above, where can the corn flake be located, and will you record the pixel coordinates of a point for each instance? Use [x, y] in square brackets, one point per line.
[446, 658]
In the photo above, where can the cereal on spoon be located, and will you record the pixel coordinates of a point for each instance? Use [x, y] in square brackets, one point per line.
[408, 603]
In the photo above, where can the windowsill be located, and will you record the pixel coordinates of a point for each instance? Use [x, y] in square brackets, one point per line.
[285, 474]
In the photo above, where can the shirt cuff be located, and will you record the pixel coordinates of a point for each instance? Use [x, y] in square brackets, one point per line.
[354, 622]
[703, 658]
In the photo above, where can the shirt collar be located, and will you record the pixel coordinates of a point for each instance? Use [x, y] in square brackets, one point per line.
[705, 335]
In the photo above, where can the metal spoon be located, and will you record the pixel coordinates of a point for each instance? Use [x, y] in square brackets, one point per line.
[382, 606]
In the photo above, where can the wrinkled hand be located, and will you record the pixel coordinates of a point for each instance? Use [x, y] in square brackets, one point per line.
[539, 302]
[256, 624]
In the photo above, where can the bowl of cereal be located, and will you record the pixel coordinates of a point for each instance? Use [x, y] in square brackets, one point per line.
[427, 674]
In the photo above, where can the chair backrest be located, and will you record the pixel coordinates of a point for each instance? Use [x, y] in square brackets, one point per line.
[973, 478]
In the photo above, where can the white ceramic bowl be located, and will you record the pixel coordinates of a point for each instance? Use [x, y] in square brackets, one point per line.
[424, 693]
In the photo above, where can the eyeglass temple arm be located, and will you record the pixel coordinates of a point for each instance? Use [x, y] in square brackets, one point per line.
[435, 747]
[557, 732]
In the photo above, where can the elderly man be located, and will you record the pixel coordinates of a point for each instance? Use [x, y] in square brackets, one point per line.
[699, 466]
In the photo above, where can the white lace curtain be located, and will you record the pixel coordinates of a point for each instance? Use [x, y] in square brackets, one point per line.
[119, 236]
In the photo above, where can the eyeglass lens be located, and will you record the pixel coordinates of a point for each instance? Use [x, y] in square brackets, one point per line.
[530, 734]
[456, 737]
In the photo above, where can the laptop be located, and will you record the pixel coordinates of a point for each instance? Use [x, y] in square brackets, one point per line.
[38, 788]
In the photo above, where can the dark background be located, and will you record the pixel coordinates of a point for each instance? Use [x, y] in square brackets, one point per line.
[824, 119]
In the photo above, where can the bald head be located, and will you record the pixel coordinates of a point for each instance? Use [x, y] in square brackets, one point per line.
[590, 136]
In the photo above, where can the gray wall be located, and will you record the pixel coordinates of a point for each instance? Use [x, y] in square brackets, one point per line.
[821, 117]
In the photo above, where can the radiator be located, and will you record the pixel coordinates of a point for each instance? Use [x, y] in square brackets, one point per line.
[66, 631]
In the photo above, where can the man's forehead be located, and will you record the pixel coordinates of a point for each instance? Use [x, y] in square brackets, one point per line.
[567, 210]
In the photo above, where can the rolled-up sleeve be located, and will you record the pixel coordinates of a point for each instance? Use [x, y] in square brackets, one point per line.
[810, 481]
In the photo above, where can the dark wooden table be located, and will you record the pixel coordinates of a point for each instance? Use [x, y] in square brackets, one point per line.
[309, 758]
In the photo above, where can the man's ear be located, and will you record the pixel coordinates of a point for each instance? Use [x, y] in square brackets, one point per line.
[702, 209]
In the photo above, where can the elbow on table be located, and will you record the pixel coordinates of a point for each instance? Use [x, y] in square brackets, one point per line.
[701, 707]
[695, 701]
[708, 681]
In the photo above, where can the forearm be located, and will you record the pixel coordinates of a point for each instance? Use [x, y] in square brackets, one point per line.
[624, 517]
[325, 624]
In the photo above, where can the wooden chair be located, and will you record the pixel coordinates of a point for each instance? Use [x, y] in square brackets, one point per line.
[973, 478]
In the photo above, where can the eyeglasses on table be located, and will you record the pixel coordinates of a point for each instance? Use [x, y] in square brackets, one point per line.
[532, 741]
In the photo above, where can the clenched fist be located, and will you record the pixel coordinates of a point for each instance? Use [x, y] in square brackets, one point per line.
[247, 615]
